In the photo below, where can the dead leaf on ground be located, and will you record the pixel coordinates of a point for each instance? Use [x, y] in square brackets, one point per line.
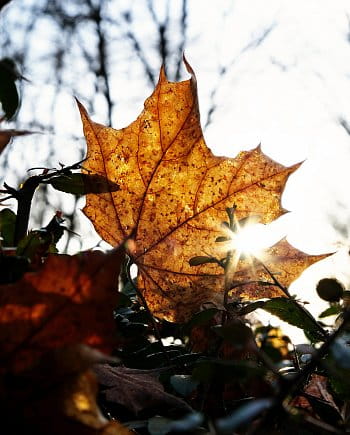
[56, 396]
[69, 300]
[137, 390]
[173, 196]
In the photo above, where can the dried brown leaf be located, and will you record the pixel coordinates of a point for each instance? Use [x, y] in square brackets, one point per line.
[7, 135]
[69, 300]
[137, 390]
[56, 396]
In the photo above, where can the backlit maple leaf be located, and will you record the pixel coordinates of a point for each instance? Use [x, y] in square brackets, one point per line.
[173, 195]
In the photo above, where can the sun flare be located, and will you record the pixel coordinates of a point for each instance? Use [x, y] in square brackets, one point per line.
[251, 239]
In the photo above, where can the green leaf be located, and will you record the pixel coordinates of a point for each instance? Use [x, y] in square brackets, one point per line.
[331, 311]
[243, 415]
[251, 307]
[222, 239]
[200, 318]
[82, 184]
[234, 332]
[7, 226]
[9, 98]
[289, 311]
[201, 259]
[183, 384]
[30, 245]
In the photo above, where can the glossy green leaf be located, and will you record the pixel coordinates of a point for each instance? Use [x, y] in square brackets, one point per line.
[82, 184]
[289, 311]
[331, 311]
[201, 318]
[183, 384]
[222, 239]
[234, 332]
[7, 226]
[201, 259]
[9, 97]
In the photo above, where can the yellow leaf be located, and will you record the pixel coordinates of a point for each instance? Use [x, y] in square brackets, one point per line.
[173, 196]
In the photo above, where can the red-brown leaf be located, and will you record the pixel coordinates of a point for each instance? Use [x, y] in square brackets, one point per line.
[69, 300]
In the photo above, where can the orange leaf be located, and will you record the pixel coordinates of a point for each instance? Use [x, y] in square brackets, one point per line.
[285, 262]
[173, 195]
[69, 300]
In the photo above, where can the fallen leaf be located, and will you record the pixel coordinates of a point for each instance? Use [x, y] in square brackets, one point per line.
[7, 135]
[69, 300]
[57, 395]
[173, 196]
[137, 390]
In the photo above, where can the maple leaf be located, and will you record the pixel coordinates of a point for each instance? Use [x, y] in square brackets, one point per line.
[281, 261]
[173, 196]
[69, 300]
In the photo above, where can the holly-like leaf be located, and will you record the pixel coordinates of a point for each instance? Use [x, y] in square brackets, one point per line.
[69, 300]
[173, 196]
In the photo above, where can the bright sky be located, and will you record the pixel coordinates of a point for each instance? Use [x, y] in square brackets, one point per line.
[287, 94]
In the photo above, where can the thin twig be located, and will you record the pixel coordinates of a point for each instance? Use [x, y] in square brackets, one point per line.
[322, 331]
[292, 385]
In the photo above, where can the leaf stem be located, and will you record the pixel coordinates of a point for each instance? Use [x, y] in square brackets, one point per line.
[130, 262]
[25, 193]
[24, 197]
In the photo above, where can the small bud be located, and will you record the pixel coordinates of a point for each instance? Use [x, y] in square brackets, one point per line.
[329, 289]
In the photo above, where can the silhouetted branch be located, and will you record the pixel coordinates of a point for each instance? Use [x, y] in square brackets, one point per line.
[252, 44]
